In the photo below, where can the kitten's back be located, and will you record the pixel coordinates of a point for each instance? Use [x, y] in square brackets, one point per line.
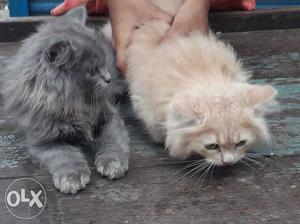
[158, 71]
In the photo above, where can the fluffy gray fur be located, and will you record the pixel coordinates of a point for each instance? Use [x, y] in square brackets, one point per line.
[56, 88]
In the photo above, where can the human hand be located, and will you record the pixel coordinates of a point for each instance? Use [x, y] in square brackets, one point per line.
[127, 15]
[193, 15]
[93, 6]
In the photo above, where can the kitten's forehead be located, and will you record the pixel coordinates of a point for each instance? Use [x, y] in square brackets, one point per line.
[227, 136]
[70, 28]
[210, 137]
[80, 37]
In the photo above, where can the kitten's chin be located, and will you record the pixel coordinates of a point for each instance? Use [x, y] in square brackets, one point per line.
[220, 163]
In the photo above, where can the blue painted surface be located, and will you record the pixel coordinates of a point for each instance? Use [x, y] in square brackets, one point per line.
[268, 4]
[18, 7]
[42, 7]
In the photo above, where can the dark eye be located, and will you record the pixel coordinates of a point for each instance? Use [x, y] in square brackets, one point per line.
[212, 147]
[241, 143]
[93, 72]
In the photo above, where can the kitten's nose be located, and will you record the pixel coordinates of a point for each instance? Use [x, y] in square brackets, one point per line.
[106, 75]
[227, 158]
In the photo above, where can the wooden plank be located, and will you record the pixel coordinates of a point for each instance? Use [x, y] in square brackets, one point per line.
[150, 193]
[267, 19]
[16, 29]
[274, 57]
[279, 66]
[264, 43]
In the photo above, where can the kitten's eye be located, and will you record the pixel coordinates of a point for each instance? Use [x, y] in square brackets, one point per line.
[93, 72]
[52, 55]
[241, 143]
[212, 147]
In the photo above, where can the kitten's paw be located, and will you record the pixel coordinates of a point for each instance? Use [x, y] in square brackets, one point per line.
[70, 182]
[112, 166]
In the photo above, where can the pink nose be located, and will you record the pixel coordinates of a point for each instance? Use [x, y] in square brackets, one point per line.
[227, 158]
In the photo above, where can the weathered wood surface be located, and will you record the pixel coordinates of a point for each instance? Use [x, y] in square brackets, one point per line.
[274, 57]
[150, 193]
[16, 29]
[267, 19]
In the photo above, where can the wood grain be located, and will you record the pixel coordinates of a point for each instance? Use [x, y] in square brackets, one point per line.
[16, 29]
[150, 193]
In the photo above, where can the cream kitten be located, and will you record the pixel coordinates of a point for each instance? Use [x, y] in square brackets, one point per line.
[192, 93]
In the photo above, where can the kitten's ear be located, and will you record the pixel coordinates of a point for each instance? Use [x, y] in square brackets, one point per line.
[178, 118]
[261, 97]
[59, 53]
[78, 13]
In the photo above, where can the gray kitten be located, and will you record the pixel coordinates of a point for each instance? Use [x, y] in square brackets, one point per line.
[57, 89]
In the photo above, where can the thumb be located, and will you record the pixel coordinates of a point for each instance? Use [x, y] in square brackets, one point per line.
[60, 9]
[121, 60]
[122, 41]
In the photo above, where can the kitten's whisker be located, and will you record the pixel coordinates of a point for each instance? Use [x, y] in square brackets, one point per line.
[256, 155]
[198, 171]
[211, 173]
[202, 177]
[197, 168]
[242, 162]
[208, 170]
[249, 166]
[276, 163]
[190, 173]
[200, 168]
[197, 163]
[192, 164]
[181, 162]
[267, 160]
[254, 161]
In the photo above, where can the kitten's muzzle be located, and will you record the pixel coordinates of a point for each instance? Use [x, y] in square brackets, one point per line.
[227, 163]
[227, 159]
[106, 76]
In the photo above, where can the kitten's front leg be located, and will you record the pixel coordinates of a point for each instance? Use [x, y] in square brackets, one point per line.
[66, 163]
[112, 148]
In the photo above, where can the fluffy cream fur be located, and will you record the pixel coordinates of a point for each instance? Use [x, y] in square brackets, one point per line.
[192, 93]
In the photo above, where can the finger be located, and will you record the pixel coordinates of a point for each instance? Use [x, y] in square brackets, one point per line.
[59, 10]
[121, 61]
[122, 40]
[66, 6]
